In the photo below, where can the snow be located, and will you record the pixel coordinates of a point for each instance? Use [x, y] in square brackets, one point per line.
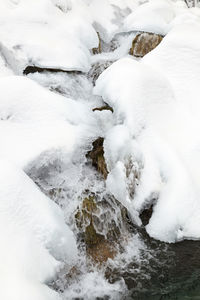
[4, 69]
[108, 15]
[34, 120]
[151, 140]
[33, 235]
[39, 33]
[165, 130]
[159, 16]
[154, 16]
[133, 105]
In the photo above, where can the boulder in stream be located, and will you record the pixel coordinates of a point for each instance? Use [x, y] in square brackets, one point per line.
[103, 224]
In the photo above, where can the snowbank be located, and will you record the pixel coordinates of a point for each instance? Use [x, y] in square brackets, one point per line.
[34, 120]
[32, 235]
[159, 16]
[156, 103]
[46, 34]
[108, 15]
[152, 143]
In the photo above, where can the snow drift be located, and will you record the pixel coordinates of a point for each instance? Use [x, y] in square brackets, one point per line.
[156, 102]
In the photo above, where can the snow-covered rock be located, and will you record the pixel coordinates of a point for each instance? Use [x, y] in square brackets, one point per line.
[157, 101]
[159, 16]
[40, 33]
[34, 120]
[108, 15]
[154, 16]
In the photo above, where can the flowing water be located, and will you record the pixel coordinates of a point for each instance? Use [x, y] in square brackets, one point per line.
[143, 268]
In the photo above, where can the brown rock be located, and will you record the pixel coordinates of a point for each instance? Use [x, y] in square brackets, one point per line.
[102, 252]
[97, 157]
[98, 49]
[105, 107]
[102, 224]
[143, 43]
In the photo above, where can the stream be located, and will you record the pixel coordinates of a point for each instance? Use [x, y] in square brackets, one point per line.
[143, 267]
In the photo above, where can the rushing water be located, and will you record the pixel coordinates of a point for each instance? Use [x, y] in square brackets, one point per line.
[143, 269]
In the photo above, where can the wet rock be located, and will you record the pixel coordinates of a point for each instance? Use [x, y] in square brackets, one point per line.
[102, 224]
[105, 107]
[143, 43]
[98, 49]
[34, 69]
[146, 214]
[97, 157]
[102, 252]
[84, 221]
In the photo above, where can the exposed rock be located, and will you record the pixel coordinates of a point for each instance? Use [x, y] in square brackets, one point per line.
[143, 43]
[102, 252]
[34, 69]
[102, 225]
[97, 157]
[98, 49]
[105, 107]
[146, 214]
[84, 221]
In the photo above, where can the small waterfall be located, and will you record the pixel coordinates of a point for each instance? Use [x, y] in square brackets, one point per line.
[117, 259]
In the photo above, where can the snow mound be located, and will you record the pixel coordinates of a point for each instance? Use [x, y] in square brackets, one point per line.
[156, 123]
[33, 236]
[154, 16]
[41, 33]
[133, 105]
[159, 16]
[34, 120]
[4, 69]
[108, 15]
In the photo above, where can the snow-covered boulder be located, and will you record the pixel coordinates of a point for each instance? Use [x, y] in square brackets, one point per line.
[38, 33]
[156, 103]
[159, 16]
[154, 16]
[34, 120]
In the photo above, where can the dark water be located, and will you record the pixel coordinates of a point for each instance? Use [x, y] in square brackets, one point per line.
[174, 271]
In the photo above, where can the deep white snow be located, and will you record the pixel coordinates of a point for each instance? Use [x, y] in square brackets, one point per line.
[151, 140]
